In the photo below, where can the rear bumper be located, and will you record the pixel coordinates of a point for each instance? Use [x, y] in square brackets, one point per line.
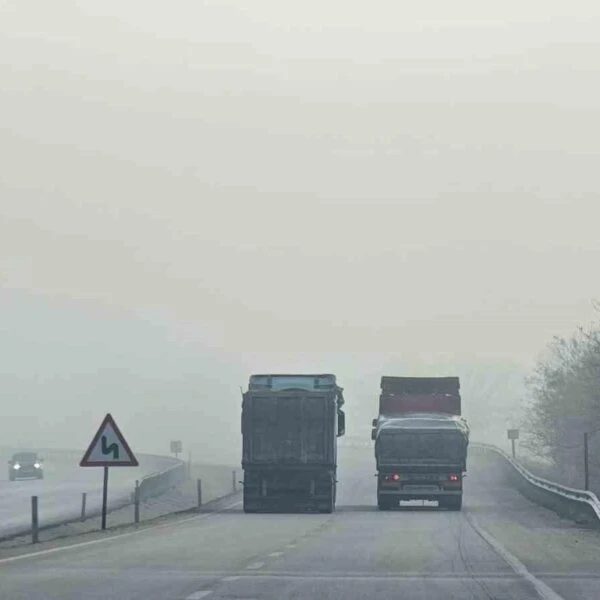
[418, 495]
[275, 487]
[20, 474]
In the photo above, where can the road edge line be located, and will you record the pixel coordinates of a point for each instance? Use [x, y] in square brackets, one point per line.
[544, 591]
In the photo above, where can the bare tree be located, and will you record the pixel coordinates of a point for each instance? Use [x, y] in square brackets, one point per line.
[565, 403]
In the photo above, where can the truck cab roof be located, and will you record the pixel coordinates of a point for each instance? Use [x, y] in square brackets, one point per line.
[302, 381]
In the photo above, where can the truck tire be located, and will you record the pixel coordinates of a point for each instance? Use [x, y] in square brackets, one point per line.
[384, 503]
[327, 488]
[451, 503]
[250, 504]
[329, 506]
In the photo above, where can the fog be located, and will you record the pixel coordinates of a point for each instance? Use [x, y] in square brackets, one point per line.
[194, 191]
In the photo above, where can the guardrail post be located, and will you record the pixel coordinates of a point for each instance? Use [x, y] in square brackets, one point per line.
[83, 503]
[136, 502]
[35, 532]
[586, 466]
[233, 481]
[199, 490]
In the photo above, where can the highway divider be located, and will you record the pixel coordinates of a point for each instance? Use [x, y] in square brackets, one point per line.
[172, 490]
[77, 508]
[579, 505]
[156, 484]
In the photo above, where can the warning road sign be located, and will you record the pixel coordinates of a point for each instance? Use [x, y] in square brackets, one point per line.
[109, 448]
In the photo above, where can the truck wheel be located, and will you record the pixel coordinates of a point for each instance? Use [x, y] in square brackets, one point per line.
[384, 503]
[250, 507]
[251, 504]
[329, 506]
[451, 503]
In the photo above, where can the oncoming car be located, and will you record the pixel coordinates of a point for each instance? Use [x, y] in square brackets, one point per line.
[25, 465]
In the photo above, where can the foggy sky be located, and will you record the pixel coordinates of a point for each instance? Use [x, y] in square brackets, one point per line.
[292, 186]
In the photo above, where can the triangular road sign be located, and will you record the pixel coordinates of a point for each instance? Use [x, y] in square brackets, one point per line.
[109, 448]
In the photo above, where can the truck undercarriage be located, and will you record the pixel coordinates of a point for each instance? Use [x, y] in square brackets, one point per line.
[289, 489]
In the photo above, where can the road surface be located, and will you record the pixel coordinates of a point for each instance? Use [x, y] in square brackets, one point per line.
[500, 547]
[60, 491]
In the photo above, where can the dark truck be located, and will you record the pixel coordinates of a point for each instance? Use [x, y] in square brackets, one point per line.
[420, 441]
[290, 426]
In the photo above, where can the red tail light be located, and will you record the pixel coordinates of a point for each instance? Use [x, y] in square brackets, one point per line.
[453, 477]
[396, 477]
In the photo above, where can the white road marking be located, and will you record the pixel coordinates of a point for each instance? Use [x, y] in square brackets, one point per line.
[545, 592]
[449, 577]
[199, 595]
[232, 578]
[276, 554]
[115, 537]
[256, 565]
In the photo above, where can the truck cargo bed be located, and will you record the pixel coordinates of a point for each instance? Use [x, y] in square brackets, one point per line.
[289, 427]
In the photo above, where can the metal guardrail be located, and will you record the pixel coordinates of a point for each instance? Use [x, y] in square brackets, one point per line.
[158, 483]
[577, 504]
[150, 486]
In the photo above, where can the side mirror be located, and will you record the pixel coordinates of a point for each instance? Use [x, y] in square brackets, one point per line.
[374, 422]
[373, 434]
[341, 423]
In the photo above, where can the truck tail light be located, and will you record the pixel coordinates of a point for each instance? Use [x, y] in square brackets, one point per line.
[396, 477]
[453, 477]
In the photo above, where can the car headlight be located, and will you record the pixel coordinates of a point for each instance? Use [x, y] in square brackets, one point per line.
[37, 466]
[16, 467]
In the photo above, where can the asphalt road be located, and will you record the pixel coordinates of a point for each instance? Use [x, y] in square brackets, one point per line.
[501, 546]
[60, 491]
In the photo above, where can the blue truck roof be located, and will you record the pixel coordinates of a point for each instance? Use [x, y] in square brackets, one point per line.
[303, 381]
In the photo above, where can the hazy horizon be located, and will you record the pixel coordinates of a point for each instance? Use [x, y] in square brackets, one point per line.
[189, 196]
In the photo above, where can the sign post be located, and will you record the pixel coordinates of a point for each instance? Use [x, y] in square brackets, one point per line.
[108, 449]
[513, 434]
[586, 466]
